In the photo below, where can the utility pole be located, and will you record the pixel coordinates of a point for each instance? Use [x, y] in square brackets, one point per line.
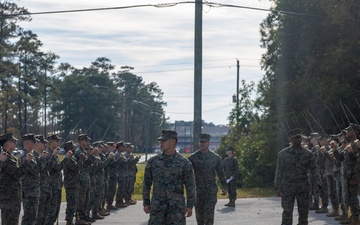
[197, 74]
[237, 91]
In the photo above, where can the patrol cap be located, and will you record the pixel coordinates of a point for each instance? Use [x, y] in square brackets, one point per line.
[110, 143]
[41, 139]
[295, 133]
[230, 149]
[7, 137]
[353, 126]
[69, 145]
[314, 134]
[342, 133]
[54, 137]
[84, 137]
[29, 136]
[167, 134]
[97, 144]
[120, 143]
[204, 137]
[103, 144]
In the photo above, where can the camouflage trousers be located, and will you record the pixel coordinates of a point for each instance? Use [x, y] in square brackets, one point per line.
[72, 198]
[167, 217]
[353, 200]
[290, 192]
[10, 211]
[43, 210]
[105, 193]
[205, 206]
[111, 190]
[332, 190]
[98, 194]
[324, 194]
[54, 206]
[84, 199]
[231, 187]
[30, 205]
[120, 194]
[129, 190]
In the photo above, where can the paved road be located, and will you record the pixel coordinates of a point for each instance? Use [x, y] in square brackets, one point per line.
[248, 211]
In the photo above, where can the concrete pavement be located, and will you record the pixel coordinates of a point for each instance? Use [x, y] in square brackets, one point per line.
[248, 211]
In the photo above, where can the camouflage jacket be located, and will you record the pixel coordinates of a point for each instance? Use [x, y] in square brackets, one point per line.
[31, 180]
[231, 167]
[293, 165]
[71, 172]
[168, 175]
[10, 174]
[44, 173]
[84, 166]
[55, 170]
[206, 167]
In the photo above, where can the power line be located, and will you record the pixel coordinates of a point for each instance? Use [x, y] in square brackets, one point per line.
[164, 5]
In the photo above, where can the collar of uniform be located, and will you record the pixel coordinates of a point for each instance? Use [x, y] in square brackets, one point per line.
[162, 156]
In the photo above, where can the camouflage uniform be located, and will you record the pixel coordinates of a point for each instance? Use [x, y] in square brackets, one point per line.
[206, 166]
[330, 179]
[72, 185]
[321, 160]
[10, 189]
[231, 169]
[112, 179]
[341, 178]
[131, 175]
[97, 182]
[44, 189]
[56, 187]
[122, 168]
[30, 189]
[291, 177]
[84, 191]
[168, 175]
[352, 179]
[105, 164]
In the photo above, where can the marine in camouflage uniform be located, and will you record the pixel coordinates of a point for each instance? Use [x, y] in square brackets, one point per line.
[122, 175]
[55, 168]
[82, 157]
[231, 169]
[71, 168]
[207, 165]
[10, 186]
[340, 176]
[168, 174]
[107, 156]
[351, 158]
[39, 149]
[321, 162]
[131, 174]
[30, 182]
[112, 180]
[291, 179]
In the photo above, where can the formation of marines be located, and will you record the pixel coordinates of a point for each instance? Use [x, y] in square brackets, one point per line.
[93, 175]
[318, 170]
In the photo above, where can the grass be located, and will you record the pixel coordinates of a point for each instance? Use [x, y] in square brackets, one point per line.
[241, 192]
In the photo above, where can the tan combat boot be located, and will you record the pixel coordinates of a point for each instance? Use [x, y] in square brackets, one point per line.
[334, 212]
[355, 220]
[97, 216]
[111, 207]
[314, 207]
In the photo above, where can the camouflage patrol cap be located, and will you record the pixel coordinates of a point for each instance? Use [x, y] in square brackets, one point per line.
[54, 137]
[230, 149]
[97, 144]
[110, 143]
[167, 134]
[204, 137]
[295, 133]
[84, 137]
[353, 126]
[342, 133]
[69, 145]
[120, 143]
[314, 134]
[7, 137]
[29, 136]
[41, 139]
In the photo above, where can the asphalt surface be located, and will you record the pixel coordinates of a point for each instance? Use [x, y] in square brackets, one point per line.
[248, 211]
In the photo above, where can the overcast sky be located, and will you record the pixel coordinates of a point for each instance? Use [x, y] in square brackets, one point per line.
[159, 43]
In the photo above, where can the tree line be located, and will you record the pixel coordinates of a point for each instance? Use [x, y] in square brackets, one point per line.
[311, 81]
[40, 95]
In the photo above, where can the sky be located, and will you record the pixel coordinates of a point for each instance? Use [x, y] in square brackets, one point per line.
[159, 43]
